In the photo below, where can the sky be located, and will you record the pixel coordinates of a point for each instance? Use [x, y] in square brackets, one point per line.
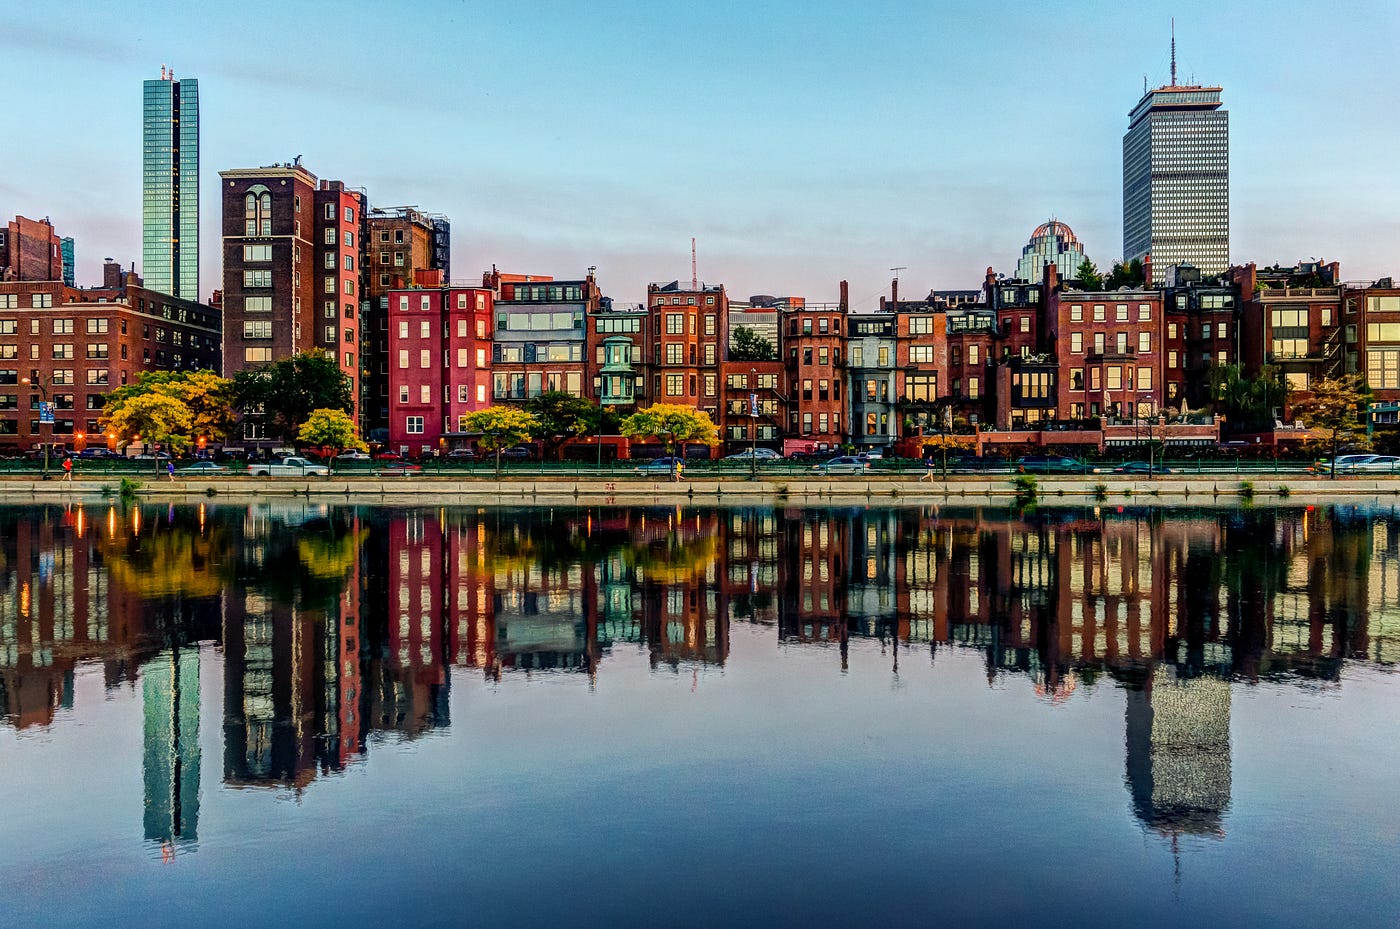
[799, 143]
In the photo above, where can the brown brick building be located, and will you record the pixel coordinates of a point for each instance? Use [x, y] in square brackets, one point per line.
[814, 340]
[30, 251]
[293, 250]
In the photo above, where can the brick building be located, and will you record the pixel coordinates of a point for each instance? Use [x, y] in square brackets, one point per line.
[75, 345]
[1292, 318]
[1108, 346]
[440, 365]
[617, 340]
[402, 243]
[690, 332]
[814, 338]
[31, 251]
[293, 251]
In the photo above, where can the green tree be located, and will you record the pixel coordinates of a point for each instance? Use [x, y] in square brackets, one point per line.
[1335, 409]
[151, 417]
[502, 427]
[562, 416]
[332, 430]
[673, 423]
[1249, 403]
[748, 345]
[1089, 276]
[287, 391]
[1124, 275]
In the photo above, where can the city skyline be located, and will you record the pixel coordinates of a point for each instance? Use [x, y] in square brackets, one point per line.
[593, 163]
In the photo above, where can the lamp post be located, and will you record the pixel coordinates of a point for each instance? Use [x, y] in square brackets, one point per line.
[45, 415]
[753, 427]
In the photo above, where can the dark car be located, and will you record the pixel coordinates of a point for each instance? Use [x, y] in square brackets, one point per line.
[516, 453]
[1049, 464]
[98, 453]
[1141, 467]
[972, 462]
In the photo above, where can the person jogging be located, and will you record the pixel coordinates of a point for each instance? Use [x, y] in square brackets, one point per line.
[170, 469]
[68, 470]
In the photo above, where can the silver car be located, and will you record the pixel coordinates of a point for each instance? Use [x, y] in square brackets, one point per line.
[846, 464]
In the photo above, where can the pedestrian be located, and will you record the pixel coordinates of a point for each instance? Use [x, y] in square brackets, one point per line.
[68, 469]
[170, 469]
[928, 468]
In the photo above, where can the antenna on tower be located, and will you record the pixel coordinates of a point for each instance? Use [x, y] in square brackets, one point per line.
[694, 268]
[1173, 51]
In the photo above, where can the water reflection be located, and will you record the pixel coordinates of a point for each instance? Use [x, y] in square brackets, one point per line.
[337, 625]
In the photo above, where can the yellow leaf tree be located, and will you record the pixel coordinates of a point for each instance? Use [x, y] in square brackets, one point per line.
[673, 424]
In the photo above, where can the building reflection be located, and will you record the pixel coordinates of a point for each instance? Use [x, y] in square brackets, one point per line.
[337, 625]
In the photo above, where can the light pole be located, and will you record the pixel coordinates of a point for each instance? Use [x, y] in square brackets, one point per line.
[45, 415]
[753, 427]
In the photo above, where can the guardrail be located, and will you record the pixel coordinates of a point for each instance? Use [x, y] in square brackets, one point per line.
[100, 468]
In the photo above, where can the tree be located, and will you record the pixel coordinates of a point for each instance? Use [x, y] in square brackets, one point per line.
[1335, 408]
[154, 417]
[942, 444]
[1124, 275]
[562, 416]
[207, 397]
[672, 423]
[748, 345]
[1088, 275]
[501, 427]
[333, 430]
[1249, 403]
[287, 391]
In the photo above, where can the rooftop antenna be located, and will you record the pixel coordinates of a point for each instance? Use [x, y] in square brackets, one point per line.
[694, 268]
[1173, 51]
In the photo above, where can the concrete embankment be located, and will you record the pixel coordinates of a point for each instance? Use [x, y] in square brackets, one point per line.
[847, 491]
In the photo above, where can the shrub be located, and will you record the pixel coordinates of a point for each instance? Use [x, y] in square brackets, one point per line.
[129, 488]
[1100, 491]
[1026, 489]
[1247, 490]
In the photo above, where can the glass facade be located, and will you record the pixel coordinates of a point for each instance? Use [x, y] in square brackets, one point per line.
[1051, 243]
[170, 187]
[1176, 180]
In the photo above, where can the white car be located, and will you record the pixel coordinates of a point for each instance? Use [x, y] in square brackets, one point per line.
[762, 454]
[352, 455]
[288, 467]
[1372, 464]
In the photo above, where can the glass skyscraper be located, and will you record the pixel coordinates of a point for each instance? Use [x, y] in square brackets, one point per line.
[170, 186]
[1176, 180]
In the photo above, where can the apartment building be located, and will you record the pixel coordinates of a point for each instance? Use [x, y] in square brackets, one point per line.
[540, 336]
[689, 331]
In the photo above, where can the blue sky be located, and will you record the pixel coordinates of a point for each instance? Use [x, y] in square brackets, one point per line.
[799, 143]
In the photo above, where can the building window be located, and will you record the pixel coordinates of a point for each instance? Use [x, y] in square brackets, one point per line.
[414, 425]
[1120, 313]
[1144, 342]
[330, 235]
[257, 354]
[974, 388]
[257, 214]
[1144, 311]
[257, 329]
[424, 358]
[1076, 313]
[1099, 312]
[675, 324]
[675, 385]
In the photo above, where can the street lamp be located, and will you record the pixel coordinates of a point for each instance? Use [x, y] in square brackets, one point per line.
[753, 427]
[45, 415]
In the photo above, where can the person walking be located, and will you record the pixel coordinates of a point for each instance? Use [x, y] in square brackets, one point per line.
[68, 469]
[170, 469]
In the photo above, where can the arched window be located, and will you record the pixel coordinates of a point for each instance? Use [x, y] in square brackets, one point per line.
[257, 211]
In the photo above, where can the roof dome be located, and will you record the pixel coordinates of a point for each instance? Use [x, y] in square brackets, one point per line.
[1054, 228]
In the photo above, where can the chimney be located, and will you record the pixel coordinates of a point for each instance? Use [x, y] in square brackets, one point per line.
[845, 296]
[111, 274]
[1147, 270]
[989, 284]
[1051, 277]
[894, 294]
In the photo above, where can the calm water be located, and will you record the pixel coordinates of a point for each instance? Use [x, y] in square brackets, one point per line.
[334, 716]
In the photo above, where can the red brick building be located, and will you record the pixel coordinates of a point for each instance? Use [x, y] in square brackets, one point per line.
[440, 349]
[73, 346]
[1108, 346]
[813, 342]
[689, 331]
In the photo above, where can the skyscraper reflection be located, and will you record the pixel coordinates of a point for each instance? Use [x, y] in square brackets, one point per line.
[334, 624]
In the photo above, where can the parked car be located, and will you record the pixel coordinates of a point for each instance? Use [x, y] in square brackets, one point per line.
[201, 468]
[352, 455]
[1373, 464]
[1341, 463]
[1142, 467]
[974, 462]
[1049, 464]
[843, 464]
[388, 456]
[399, 469]
[517, 453]
[89, 453]
[762, 454]
[659, 466]
[872, 454]
[158, 456]
[461, 454]
[288, 467]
